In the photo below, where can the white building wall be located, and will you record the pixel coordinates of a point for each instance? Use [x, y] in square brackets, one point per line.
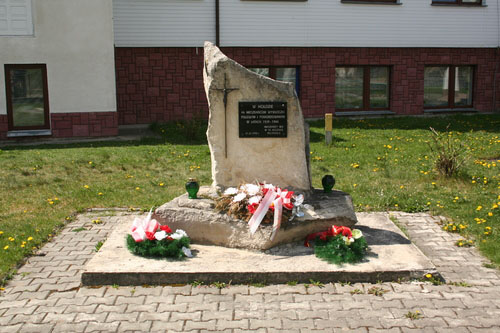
[164, 22]
[413, 23]
[75, 39]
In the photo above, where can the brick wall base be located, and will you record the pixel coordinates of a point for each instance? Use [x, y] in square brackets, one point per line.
[85, 124]
[162, 84]
[4, 126]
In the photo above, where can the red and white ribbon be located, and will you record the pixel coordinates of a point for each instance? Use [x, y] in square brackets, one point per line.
[261, 211]
[278, 210]
[142, 228]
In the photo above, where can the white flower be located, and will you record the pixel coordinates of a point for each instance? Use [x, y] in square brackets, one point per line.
[231, 191]
[160, 235]
[299, 199]
[356, 233]
[178, 234]
[239, 197]
[187, 252]
[255, 199]
[251, 189]
[347, 241]
[268, 186]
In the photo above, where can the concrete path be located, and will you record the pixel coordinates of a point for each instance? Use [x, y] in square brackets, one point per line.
[46, 296]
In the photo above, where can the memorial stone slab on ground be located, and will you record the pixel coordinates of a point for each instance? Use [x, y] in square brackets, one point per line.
[256, 133]
[256, 130]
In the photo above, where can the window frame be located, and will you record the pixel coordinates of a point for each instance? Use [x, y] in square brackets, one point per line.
[8, 95]
[272, 74]
[369, 2]
[29, 21]
[457, 3]
[366, 89]
[451, 88]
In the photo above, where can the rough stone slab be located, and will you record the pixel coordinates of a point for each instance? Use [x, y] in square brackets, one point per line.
[235, 160]
[392, 257]
[206, 226]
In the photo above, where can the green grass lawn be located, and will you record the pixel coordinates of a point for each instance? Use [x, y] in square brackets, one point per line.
[385, 164]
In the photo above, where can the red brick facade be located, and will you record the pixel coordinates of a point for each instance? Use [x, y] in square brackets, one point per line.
[162, 84]
[4, 126]
[83, 124]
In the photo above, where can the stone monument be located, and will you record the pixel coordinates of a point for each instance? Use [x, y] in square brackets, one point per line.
[255, 128]
[256, 133]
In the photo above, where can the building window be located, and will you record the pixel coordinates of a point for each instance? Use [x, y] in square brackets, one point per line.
[27, 97]
[441, 92]
[362, 88]
[370, 1]
[458, 2]
[286, 74]
[15, 18]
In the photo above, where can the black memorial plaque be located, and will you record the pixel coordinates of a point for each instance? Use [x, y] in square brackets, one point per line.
[262, 119]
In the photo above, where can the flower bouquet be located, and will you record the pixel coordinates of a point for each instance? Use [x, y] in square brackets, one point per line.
[339, 245]
[260, 203]
[148, 238]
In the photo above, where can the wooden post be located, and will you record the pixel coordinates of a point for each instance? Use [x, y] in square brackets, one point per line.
[328, 128]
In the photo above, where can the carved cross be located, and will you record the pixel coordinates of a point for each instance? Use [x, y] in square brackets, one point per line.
[226, 90]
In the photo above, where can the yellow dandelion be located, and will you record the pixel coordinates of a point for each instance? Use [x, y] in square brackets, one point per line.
[90, 162]
[402, 186]
[30, 238]
[137, 188]
[51, 202]
[1, 233]
[490, 214]
[428, 275]
[22, 245]
[161, 184]
[6, 247]
[479, 208]
[86, 186]
[100, 193]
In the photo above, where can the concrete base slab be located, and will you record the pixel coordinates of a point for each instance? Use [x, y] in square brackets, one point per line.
[391, 257]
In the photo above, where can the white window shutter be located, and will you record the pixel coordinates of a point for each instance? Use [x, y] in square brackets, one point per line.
[15, 18]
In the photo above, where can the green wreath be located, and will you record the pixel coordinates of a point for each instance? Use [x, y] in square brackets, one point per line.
[335, 250]
[165, 248]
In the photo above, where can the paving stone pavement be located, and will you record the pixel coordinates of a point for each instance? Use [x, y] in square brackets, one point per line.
[45, 295]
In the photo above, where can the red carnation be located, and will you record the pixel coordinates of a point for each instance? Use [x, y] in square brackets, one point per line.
[346, 232]
[252, 208]
[166, 228]
[150, 235]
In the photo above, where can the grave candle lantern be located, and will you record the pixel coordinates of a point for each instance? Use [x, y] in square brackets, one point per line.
[328, 182]
[192, 188]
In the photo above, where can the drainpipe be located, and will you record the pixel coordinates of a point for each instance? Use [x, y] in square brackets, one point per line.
[497, 56]
[217, 24]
